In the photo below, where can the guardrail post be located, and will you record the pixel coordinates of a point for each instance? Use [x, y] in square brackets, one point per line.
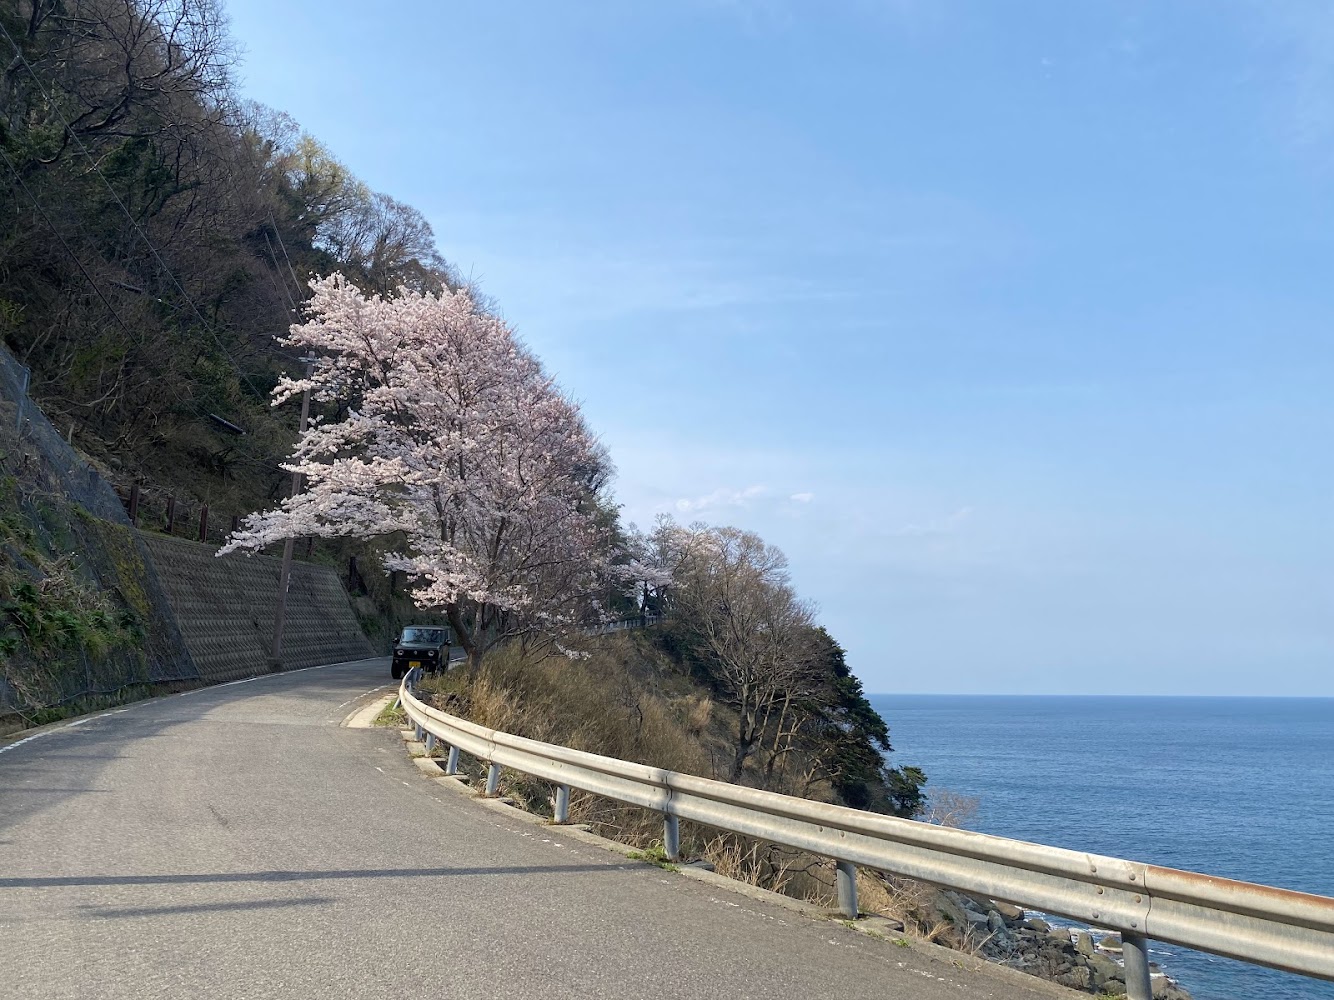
[430, 742]
[845, 877]
[419, 733]
[492, 779]
[671, 837]
[452, 765]
[1135, 955]
[562, 803]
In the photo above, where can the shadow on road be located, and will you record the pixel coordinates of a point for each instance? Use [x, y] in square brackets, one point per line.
[206, 878]
[105, 913]
[80, 751]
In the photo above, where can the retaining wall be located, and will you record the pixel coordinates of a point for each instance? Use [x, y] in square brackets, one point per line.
[224, 609]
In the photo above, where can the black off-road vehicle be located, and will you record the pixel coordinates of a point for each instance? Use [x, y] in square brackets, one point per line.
[425, 646]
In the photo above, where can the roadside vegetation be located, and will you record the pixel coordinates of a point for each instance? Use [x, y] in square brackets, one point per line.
[168, 251]
[78, 631]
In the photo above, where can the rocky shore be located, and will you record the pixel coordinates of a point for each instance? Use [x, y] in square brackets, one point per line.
[1073, 957]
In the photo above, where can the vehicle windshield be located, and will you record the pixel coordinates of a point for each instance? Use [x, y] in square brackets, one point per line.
[435, 635]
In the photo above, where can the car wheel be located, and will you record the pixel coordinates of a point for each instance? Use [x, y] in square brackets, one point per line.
[395, 672]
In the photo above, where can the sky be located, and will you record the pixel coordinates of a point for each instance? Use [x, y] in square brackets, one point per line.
[1009, 323]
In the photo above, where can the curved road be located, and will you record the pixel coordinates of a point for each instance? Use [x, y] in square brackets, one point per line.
[237, 842]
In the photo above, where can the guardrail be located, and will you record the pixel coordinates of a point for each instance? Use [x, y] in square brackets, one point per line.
[625, 624]
[1291, 931]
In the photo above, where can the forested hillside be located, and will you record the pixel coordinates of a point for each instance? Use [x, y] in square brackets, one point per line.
[156, 232]
[160, 241]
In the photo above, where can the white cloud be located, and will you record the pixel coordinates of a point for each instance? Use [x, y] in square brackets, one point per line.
[802, 497]
[721, 498]
[946, 525]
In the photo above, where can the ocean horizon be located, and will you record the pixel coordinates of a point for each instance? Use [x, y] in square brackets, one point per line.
[1236, 786]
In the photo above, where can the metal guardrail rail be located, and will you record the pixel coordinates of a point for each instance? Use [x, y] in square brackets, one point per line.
[1291, 931]
[624, 625]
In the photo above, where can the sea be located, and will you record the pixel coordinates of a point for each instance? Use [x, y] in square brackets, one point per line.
[1237, 787]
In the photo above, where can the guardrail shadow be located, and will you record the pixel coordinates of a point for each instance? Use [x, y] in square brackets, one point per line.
[215, 878]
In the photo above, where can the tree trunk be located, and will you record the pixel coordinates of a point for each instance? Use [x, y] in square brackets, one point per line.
[739, 761]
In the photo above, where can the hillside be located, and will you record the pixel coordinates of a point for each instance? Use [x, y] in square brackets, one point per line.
[159, 238]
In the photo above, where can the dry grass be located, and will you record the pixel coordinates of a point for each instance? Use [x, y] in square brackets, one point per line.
[391, 715]
[948, 808]
[600, 704]
[751, 861]
[926, 912]
[621, 702]
[699, 714]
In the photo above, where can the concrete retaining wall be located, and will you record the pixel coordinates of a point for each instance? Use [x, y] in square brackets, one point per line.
[224, 608]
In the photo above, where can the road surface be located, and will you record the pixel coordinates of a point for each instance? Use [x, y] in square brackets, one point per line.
[238, 842]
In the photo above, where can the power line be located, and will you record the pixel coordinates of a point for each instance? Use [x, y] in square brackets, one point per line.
[133, 222]
[72, 255]
[278, 233]
[92, 282]
[283, 291]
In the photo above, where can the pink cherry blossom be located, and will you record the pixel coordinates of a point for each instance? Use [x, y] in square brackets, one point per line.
[455, 448]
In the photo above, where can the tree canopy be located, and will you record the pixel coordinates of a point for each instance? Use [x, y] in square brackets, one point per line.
[456, 449]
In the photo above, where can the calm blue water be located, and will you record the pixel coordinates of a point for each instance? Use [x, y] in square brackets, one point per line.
[1239, 787]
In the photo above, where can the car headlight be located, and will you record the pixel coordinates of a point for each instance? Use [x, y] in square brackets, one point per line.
[399, 652]
[430, 653]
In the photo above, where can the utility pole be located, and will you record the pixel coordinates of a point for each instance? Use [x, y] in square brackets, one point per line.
[284, 575]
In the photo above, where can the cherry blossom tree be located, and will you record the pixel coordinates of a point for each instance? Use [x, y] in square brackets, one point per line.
[654, 558]
[456, 449]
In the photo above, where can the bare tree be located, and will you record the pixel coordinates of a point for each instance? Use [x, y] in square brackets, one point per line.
[734, 597]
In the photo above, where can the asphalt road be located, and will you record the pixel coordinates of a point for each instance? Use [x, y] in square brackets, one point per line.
[237, 842]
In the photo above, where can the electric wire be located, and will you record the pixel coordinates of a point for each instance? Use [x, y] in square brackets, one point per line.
[56, 232]
[92, 282]
[18, 52]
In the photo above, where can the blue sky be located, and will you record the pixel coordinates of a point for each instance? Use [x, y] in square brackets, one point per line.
[1012, 324]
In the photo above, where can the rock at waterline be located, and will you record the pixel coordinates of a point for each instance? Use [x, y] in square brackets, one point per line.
[1077, 978]
[1105, 970]
[975, 918]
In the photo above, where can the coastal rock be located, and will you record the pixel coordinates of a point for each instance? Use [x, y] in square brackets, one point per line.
[1078, 978]
[943, 907]
[1104, 969]
[1074, 958]
[970, 902]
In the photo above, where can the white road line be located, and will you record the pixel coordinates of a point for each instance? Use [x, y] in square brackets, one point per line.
[260, 677]
[183, 694]
[363, 694]
[27, 739]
